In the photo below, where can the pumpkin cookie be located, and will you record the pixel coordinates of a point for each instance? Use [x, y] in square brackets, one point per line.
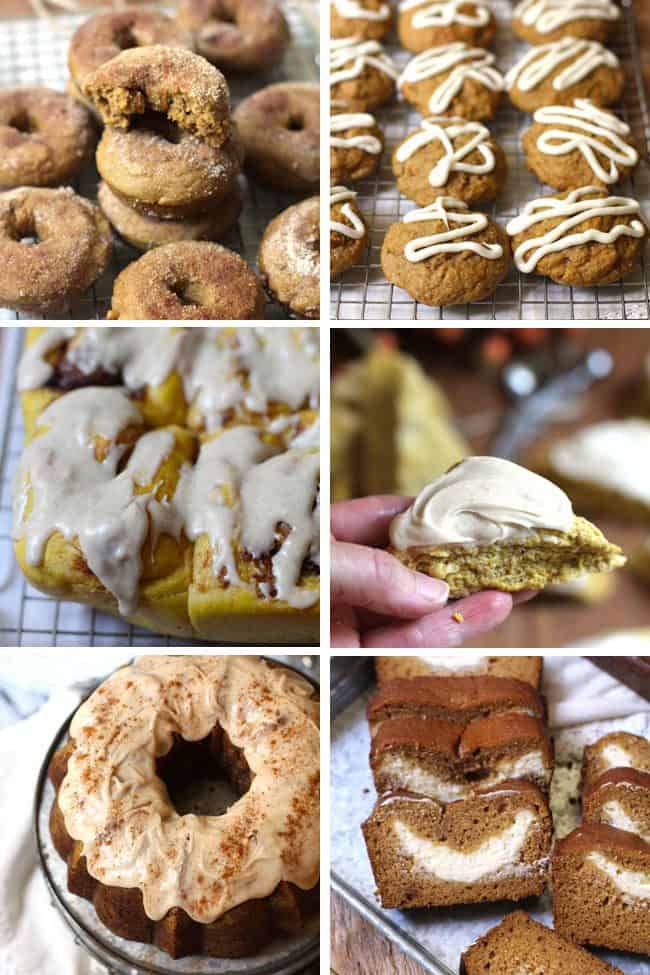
[430, 23]
[453, 80]
[348, 231]
[356, 144]
[558, 73]
[450, 155]
[583, 238]
[361, 73]
[580, 146]
[289, 258]
[541, 21]
[369, 20]
[444, 255]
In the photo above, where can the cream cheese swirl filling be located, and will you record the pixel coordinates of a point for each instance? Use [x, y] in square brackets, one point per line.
[481, 501]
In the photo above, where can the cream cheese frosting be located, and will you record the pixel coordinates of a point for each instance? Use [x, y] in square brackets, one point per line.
[480, 501]
[631, 883]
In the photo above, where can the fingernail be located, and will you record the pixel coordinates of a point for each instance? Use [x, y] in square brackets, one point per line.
[434, 590]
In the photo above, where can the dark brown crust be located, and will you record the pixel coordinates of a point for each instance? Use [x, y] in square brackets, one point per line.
[598, 836]
[618, 776]
[453, 698]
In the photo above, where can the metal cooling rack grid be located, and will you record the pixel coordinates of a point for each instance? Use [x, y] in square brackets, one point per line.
[364, 293]
[34, 52]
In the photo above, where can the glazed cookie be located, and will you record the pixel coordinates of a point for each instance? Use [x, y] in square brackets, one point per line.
[541, 21]
[431, 23]
[361, 74]
[181, 85]
[188, 281]
[579, 146]
[558, 73]
[280, 130]
[45, 137]
[453, 80]
[348, 231]
[237, 35]
[445, 255]
[144, 232]
[369, 20]
[72, 247]
[289, 258]
[582, 238]
[450, 155]
[356, 144]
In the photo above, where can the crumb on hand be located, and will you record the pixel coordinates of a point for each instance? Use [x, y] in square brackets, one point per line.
[458, 617]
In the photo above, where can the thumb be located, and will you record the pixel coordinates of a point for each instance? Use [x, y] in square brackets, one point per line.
[371, 579]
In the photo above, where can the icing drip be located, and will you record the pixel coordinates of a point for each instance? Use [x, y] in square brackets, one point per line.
[547, 15]
[358, 55]
[580, 205]
[353, 10]
[536, 66]
[598, 132]
[443, 13]
[357, 228]
[453, 240]
[445, 131]
[460, 62]
[356, 120]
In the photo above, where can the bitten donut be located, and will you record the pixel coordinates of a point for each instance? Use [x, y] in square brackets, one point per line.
[361, 74]
[348, 231]
[279, 127]
[422, 24]
[369, 20]
[237, 35]
[289, 258]
[453, 79]
[72, 246]
[190, 280]
[144, 232]
[541, 21]
[45, 137]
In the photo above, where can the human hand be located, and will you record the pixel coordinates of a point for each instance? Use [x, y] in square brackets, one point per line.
[377, 602]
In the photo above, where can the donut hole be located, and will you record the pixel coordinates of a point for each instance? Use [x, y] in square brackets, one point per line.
[125, 39]
[23, 122]
[23, 230]
[296, 123]
[204, 778]
[188, 292]
[159, 123]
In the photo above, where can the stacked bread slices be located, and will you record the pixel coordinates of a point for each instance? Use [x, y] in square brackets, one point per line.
[462, 767]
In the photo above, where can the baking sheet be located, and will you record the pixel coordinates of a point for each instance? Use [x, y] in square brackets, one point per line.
[437, 937]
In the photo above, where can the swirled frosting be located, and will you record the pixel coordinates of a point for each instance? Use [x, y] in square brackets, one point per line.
[480, 501]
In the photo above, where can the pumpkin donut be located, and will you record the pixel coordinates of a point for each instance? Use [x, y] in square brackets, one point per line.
[289, 258]
[237, 35]
[45, 137]
[72, 247]
[190, 280]
[280, 129]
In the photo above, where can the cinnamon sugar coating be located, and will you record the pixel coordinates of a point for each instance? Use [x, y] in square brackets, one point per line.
[237, 35]
[289, 258]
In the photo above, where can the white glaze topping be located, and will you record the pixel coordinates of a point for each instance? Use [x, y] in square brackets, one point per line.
[576, 207]
[592, 131]
[580, 58]
[353, 10]
[349, 56]
[354, 120]
[460, 663]
[446, 131]
[631, 883]
[480, 501]
[205, 865]
[443, 13]
[356, 228]
[547, 15]
[460, 62]
[460, 223]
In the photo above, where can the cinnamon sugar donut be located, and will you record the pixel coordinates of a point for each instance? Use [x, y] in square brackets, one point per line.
[280, 129]
[173, 81]
[45, 137]
[237, 35]
[72, 247]
[289, 258]
[187, 281]
[145, 232]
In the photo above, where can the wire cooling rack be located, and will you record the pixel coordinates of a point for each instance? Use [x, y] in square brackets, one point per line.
[34, 52]
[364, 293]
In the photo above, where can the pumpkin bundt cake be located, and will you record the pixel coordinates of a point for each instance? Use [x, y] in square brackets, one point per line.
[220, 885]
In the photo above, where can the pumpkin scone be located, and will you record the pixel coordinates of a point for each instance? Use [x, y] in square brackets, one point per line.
[559, 72]
[443, 254]
[369, 20]
[348, 231]
[289, 258]
[237, 35]
[453, 156]
[569, 147]
[584, 237]
[453, 80]
[422, 24]
[491, 524]
[356, 145]
[539, 21]
[361, 74]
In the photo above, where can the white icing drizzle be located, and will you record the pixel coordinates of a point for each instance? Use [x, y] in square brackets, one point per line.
[547, 15]
[354, 120]
[540, 62]
[349, 56]
[580, 205]
[353, 10]
[453, 240]
[443, 13]
[598, 132]
[460, 62]
[356, 229]
[445, 131]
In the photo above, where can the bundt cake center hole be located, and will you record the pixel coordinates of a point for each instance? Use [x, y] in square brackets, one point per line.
[204, 778]
[296, 123]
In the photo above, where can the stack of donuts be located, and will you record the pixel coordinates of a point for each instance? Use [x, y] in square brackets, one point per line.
[446, 252]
